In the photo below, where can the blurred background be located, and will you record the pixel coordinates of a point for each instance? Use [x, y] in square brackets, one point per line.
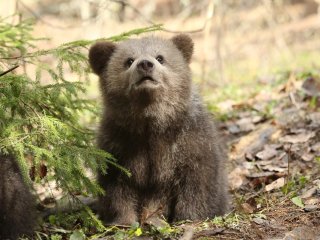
[237, 42]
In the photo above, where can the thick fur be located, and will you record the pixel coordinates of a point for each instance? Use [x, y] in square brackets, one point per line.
[159, 130]
[17, 204]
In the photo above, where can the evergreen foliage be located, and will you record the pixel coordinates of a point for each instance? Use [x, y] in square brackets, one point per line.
[42, 113]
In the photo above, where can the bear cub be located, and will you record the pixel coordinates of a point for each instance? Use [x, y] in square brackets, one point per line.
[18, 214]
[154, 123]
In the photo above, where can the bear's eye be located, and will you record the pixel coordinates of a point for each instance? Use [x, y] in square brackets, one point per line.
[160, 59]
[129, 62]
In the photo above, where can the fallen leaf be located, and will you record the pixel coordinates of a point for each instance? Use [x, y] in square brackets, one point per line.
[298, 138]
[249, 156]
[188, 233]
[267, 153]
[247, 208]
[315, 117]
[317, 182]
[257, 119]
[312, 201]
[311, 86]
[304, 232]
[297, 130]
[309, 193]
[307, 157]
[209, 232]
[272, 168]
[316, 147]
[297, 201]
[156, 222]
[233, 128]
[253, 142]
[226, 106]
[311, 208]
[261, 174]
[275, 184]
[237, 177]
[245, 124]
[289, 116]
[260, 221]
[264, 162]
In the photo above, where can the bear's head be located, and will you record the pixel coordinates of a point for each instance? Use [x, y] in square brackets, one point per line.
[142, 72]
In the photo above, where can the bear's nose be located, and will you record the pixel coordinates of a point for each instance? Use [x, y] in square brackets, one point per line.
[145, 66]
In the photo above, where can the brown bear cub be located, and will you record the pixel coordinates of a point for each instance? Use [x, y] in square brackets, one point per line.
[156, 126]
[17, 204]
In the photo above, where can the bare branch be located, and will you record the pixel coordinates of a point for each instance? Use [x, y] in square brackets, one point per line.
[125, 3]
[9, 70]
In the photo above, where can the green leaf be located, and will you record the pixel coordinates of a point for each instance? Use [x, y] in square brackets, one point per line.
[77, 235]
[138, 232]
[297, 201]
[52, 219]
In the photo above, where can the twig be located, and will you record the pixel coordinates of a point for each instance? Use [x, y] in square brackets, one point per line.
[219, 41]
[289, 160]
[153, 23]
[41, 19]
[206, 41]
[293, 100]
[9, 70]
[123, 3]
[278, 35]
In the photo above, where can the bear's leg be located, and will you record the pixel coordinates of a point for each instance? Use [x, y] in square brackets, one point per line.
[196, 199]
[18, 213]
[119, 205]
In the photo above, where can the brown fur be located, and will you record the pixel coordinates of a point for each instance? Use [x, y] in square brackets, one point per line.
[159, 130]
[17, 204]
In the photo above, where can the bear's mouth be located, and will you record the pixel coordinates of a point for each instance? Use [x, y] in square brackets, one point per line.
[147, 79]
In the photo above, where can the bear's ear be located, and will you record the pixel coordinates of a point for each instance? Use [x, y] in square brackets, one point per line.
[99, 55]
[185, 44]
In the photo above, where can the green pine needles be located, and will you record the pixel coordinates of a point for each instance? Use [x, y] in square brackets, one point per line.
[44, 115]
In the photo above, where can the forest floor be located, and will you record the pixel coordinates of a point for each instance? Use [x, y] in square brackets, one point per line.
[274, 140]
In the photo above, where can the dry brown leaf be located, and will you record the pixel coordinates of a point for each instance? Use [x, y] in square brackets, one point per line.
[254, 141]
[311, 86]
[315, 117]
[303, 232]
[260, 221]
[316, 147]
[233, 128]
[261, 174]
[245, 124]
[288, 116]
[309, 193]
[247, 208]
[237, 177]
[298, 138]
[156, 221]
[275, 184]
[272, 168]
[188, 233]
[267, 153]
[311, 208]
[307, 157]
[208, 232]
[264, 162]
[226, 106]
[312, 201]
